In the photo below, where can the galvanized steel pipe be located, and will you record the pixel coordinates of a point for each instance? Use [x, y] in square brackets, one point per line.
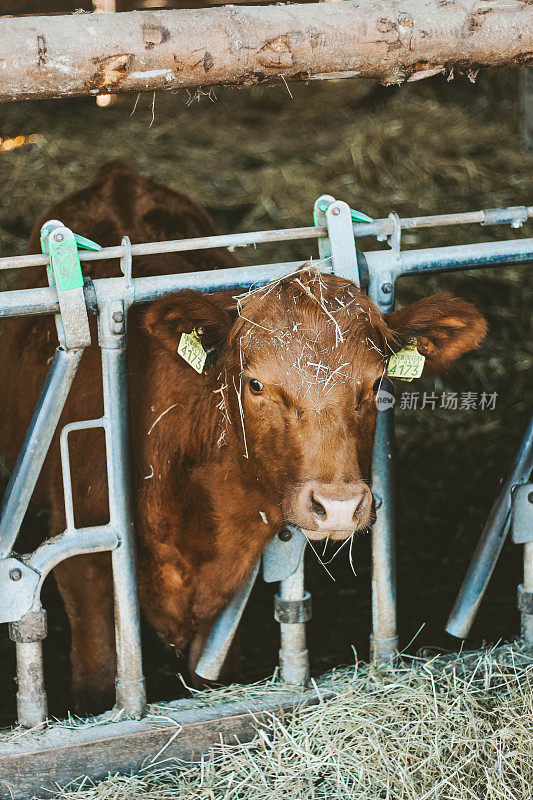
[35, 446]
[490, 543]
[131, 694]
[32, 705]
[527, 619]
[293, 654]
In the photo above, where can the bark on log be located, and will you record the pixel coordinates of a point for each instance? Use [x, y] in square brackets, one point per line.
[388, 40]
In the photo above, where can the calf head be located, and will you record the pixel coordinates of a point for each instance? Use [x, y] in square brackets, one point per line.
[297, 365]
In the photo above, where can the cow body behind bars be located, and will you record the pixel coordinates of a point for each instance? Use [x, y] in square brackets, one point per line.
[278, 427]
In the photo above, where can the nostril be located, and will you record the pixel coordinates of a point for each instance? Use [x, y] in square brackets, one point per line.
[360, 503]
[317, 507]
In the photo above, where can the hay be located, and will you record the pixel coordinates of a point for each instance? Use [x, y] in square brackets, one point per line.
[451, 727]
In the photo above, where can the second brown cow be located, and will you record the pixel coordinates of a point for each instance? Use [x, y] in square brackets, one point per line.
[277, 429]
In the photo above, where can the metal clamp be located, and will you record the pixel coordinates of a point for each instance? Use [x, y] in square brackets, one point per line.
[65, 274]
[282, 556]
[342, 242]
[395, 239]
[292, 612]
[19, 585]
[515, 216]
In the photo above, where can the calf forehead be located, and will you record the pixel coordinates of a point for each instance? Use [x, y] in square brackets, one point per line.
[319, 329]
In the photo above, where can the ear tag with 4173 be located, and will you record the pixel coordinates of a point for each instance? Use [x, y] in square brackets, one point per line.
[407, 363]
[191, 350]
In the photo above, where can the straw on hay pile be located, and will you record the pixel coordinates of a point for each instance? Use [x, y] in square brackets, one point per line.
[451, 727]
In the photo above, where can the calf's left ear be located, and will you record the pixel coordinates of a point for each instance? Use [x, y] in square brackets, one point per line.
[183, 312]
[445, 327]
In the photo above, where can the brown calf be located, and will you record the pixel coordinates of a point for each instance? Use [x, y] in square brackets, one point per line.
[278, 427]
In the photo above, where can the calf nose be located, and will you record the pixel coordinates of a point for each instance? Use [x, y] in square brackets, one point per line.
[340, 508]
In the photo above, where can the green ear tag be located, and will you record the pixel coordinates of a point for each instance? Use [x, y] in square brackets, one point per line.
[191, 350]
[407, 363]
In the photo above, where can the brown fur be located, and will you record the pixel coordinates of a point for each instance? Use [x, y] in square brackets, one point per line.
[218, 467]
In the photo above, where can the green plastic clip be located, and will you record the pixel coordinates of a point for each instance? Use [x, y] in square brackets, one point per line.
[65, 262]
[357, 216]
[64, 259]
[86, 244]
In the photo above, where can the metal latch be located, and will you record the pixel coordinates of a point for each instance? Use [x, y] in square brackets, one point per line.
[64, 272]
[282, 556]
[340, 243]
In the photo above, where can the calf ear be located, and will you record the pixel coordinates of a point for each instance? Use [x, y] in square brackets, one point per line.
[445, 327]
[185, 311]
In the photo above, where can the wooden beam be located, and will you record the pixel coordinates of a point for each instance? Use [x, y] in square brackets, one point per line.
[36, 764]
[136, 51]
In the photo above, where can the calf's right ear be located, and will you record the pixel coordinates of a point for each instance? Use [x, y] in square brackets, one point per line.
[185, 311]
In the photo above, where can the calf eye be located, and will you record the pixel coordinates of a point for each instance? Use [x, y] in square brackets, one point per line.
[256, 387]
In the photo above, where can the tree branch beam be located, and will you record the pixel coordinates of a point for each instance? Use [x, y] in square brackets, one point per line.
[388, 40]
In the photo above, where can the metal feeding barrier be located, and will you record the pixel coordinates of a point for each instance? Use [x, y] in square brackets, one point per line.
[73, 299]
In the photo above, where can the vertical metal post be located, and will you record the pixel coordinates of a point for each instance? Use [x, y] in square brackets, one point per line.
[527, 614]
[522, 533]
[131, 693]
[35, 446]
[28, 634]
[292, 610]
[384, 637]
[31, 695]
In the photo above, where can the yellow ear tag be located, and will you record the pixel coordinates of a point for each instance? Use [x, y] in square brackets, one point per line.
[191, 350]
[407, 363]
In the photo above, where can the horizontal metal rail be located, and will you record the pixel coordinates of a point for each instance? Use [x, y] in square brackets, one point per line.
[43, 300]
[513, 215]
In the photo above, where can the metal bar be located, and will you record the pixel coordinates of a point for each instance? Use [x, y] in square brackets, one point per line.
[28, 634]
[293, 654]
[222, 633]
[384, 638]
[466, 256]
[147, 289]
[36, 443]
[32, 706]
[490, 542]
[527, 619]
[130, 687]
[21, 596]
[29, 302]
[175, 246]
[71, 543]
[380, 227]
[43, 300]
[65, 464]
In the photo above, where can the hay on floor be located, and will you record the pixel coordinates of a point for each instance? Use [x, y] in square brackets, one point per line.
[451, 727]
